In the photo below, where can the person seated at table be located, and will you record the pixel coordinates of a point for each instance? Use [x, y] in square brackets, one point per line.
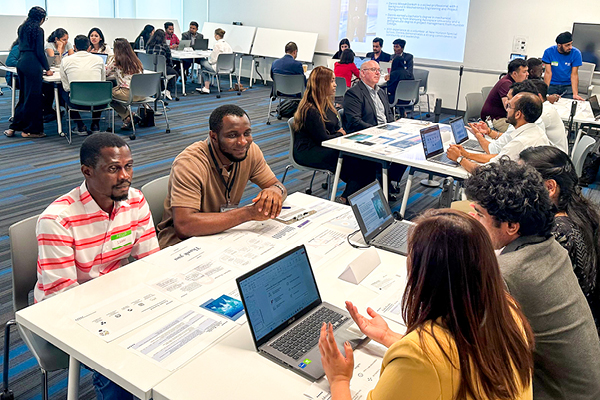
[345, 68]
[192, 35]
[122, 67]
[576, 220]
[535, 68]
[11, 61]
[523, 110]
[220, 47]
[378, 54]
[287, 65]
[143, 38]
[407, 58]
[344, 44]
[208, 179]
[494, 106]
[32, 64]
[81, 67]
[466, 337]
[97, 43]
[58, 45]
[316, 121]
[512, 203]
[171, 36]
[94, 229]
[158, 45]
[398, 73]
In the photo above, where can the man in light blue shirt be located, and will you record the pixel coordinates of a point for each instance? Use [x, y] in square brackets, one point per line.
[562, 64]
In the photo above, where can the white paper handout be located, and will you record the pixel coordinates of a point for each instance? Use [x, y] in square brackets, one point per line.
[180, 255]
[115, 317]
[193, 282]
[248, 252]
[389, 305]
[179, 336]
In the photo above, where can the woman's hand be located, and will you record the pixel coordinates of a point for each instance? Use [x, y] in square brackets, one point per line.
[337, 367]
[375, 328]
[49, 73]
[60, 46]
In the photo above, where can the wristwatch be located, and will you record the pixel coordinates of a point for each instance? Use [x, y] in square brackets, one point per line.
[459, 159]
[280, 187]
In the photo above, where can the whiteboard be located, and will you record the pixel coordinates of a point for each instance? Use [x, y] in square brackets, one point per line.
[239, 37]
[271, 43]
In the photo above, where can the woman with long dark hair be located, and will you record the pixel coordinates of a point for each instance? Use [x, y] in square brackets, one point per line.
[31, 66]
[577, 220]
[158, 45]
[97, 43]
[315, 121]
[58, 45]
[345, 68]
[466, 338]
[145, 34]
[122, 67]
[344, 44]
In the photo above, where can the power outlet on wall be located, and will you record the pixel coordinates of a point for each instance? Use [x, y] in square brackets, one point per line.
[520, 45]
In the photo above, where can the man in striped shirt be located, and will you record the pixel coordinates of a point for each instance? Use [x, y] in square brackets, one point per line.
[93, 229]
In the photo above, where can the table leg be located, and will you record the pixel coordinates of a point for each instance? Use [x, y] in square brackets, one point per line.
[183, 77]
[240, 70]
[384, 179]
[411, 174]
[336, 179]
[252, 72]
[12, 96]
[57, 101]
[73, 382]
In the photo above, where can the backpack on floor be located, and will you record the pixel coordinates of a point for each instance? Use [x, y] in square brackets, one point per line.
[146, 114]
[287, 108]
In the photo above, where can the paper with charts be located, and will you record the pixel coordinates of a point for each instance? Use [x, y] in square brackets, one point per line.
[181, 255]
[115, 317]
[178, 336]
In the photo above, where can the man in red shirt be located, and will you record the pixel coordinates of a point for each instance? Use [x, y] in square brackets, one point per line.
[171, 36]
[495, 104]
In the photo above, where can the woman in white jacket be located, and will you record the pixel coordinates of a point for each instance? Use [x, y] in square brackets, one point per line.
[221, 47]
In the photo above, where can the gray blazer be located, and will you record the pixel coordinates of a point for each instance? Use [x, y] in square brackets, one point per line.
[359, 109]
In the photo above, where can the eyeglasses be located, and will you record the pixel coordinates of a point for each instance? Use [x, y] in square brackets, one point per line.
[374, 70]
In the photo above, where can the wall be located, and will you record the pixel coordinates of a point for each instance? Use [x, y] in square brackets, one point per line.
[490, 32]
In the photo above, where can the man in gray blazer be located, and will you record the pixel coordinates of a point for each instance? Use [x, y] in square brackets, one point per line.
[512, 203]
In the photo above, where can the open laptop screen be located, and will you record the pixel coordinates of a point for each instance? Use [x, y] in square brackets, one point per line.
[372, 208]
[458, 130]
[358, 61]
[432, 141]
[277, 291]
[595, 106]
[103, 56]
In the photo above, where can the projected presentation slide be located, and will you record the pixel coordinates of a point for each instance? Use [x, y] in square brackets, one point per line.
[433, 29]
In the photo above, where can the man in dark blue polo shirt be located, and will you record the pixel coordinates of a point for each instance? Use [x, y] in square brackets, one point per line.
[562, 67]
[378, 54]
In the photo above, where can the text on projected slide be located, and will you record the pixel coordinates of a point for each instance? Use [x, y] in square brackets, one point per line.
[433, 29]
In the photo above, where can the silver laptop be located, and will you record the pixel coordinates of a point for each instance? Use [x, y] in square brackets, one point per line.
[462, 137]
[285, 313]
[434, 146]
[376, 222]
[184, 43]
[595, 106]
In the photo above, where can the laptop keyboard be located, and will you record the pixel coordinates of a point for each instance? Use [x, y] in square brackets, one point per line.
[304, 336]
[471, 143]
[443, 158]
[394, 237]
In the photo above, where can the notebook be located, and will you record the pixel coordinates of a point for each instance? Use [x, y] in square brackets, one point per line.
[462, 137]
[376, 222]
[183, 44]
[434, 146]
[595, 106]
[285, 313]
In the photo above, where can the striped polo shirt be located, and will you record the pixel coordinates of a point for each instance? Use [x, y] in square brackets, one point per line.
[78, 241]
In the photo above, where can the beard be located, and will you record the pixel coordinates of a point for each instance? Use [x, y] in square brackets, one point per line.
[511, 120]
[119, 198]
[230, 156]
[562, 51]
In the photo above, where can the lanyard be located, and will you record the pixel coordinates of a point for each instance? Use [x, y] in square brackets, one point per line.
[229, 184]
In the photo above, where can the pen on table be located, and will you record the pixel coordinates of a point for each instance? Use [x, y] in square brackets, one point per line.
[286, 207]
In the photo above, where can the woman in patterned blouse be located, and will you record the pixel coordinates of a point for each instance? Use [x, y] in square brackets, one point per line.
[577, 220]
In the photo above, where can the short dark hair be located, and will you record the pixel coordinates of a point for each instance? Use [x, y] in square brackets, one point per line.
[534, 62]
[379, 40]
[513, 192]
[167, 25]
[401, 42]
[347, 57]
[81, 42]
[291, 47]
[541, 87]
[194, 23]
[93, 145]
[530, 105]
[526, 86]
[215, 121]
[515, 64]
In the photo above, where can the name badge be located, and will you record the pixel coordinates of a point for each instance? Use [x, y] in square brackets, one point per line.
[554, 63]
[121, 239]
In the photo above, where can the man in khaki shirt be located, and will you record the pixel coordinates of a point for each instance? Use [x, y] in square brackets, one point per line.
[208, 179]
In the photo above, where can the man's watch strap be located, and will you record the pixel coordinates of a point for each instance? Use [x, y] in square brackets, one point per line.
[459, 159]
[280, 187]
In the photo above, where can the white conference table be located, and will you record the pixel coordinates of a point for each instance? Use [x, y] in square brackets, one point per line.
[413, 157]
[182, 55]
[54, 80]
[231, 368]
[583, 116]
